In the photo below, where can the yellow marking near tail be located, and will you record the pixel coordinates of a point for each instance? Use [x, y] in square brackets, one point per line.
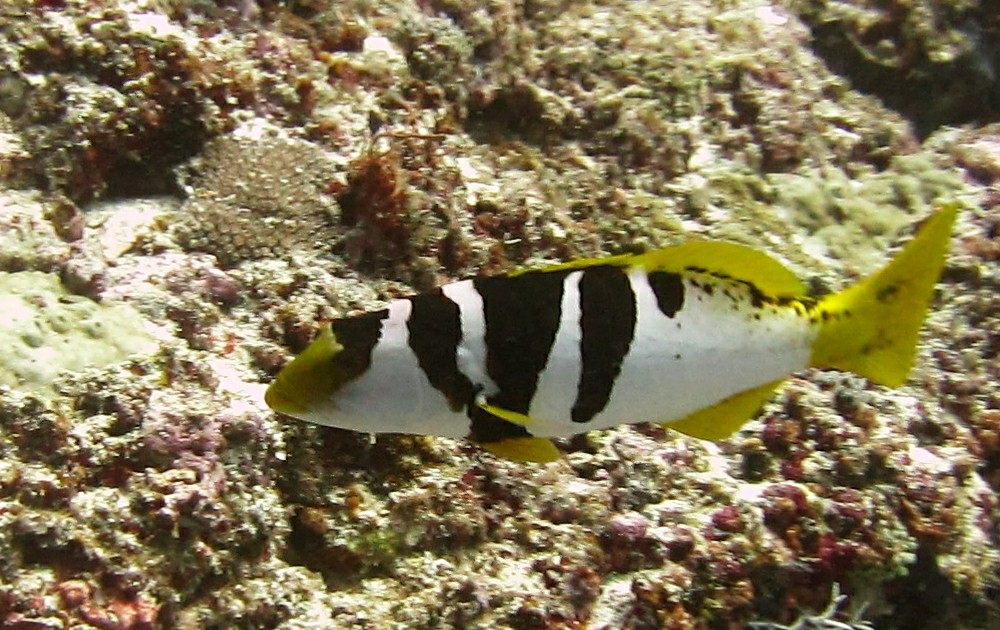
[730, 260]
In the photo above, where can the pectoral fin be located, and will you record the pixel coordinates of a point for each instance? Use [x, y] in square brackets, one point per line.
[519, 419]
[724, 417]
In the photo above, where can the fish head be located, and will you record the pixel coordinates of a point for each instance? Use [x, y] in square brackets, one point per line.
[313, 378]
[360, 374]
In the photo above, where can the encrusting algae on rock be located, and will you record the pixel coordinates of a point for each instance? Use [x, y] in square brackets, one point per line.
[45, 330]
[695, 336]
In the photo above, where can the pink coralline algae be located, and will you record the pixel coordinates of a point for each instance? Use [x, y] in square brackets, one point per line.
[190, 441]
[628, 545]
[133, 613]
[726, 520]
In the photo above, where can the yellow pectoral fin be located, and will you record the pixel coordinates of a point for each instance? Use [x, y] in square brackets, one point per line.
[724, 417]
[519, 419]
[310, 378]
[523, 449]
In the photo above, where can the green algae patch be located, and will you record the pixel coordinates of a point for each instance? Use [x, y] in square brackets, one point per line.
[45, 330]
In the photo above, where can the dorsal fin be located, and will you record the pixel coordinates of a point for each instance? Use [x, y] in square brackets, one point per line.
[723, 259]
[719, 258]
[621, 260]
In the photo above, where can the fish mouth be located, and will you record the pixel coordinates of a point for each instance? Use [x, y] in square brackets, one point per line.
[308, 380]
[281, 400]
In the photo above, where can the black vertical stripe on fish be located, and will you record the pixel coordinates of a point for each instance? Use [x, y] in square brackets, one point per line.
[607, 323]
[669, 291]
[435, 328]
[522, 318]
[358, 336]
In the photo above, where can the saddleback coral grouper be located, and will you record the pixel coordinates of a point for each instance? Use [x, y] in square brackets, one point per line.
[695, 337]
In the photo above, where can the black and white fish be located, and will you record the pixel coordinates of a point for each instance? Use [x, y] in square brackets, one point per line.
[694, 336]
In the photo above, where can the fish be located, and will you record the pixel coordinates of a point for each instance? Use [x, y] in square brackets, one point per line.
[695, 337]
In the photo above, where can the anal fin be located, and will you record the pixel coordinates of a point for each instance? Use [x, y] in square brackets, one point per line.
[725, 417]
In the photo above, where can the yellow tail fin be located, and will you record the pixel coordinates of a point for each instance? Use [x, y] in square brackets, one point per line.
[871, 328]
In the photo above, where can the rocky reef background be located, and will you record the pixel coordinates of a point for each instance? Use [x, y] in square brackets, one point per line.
[188, 187]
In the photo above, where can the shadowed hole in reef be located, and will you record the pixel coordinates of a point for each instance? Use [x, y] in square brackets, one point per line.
[514, 112]
[130, 179]
[929, 93]
[925, 598]
[151, 171]
[68, 557]
[308, 547]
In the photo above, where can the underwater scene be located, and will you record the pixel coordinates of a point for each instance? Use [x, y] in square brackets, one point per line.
[486, 314]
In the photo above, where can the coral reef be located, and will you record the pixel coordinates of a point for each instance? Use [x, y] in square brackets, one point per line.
[256, 193]
[219, 178]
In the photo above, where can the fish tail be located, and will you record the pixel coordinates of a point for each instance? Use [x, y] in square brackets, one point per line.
[872, 328]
